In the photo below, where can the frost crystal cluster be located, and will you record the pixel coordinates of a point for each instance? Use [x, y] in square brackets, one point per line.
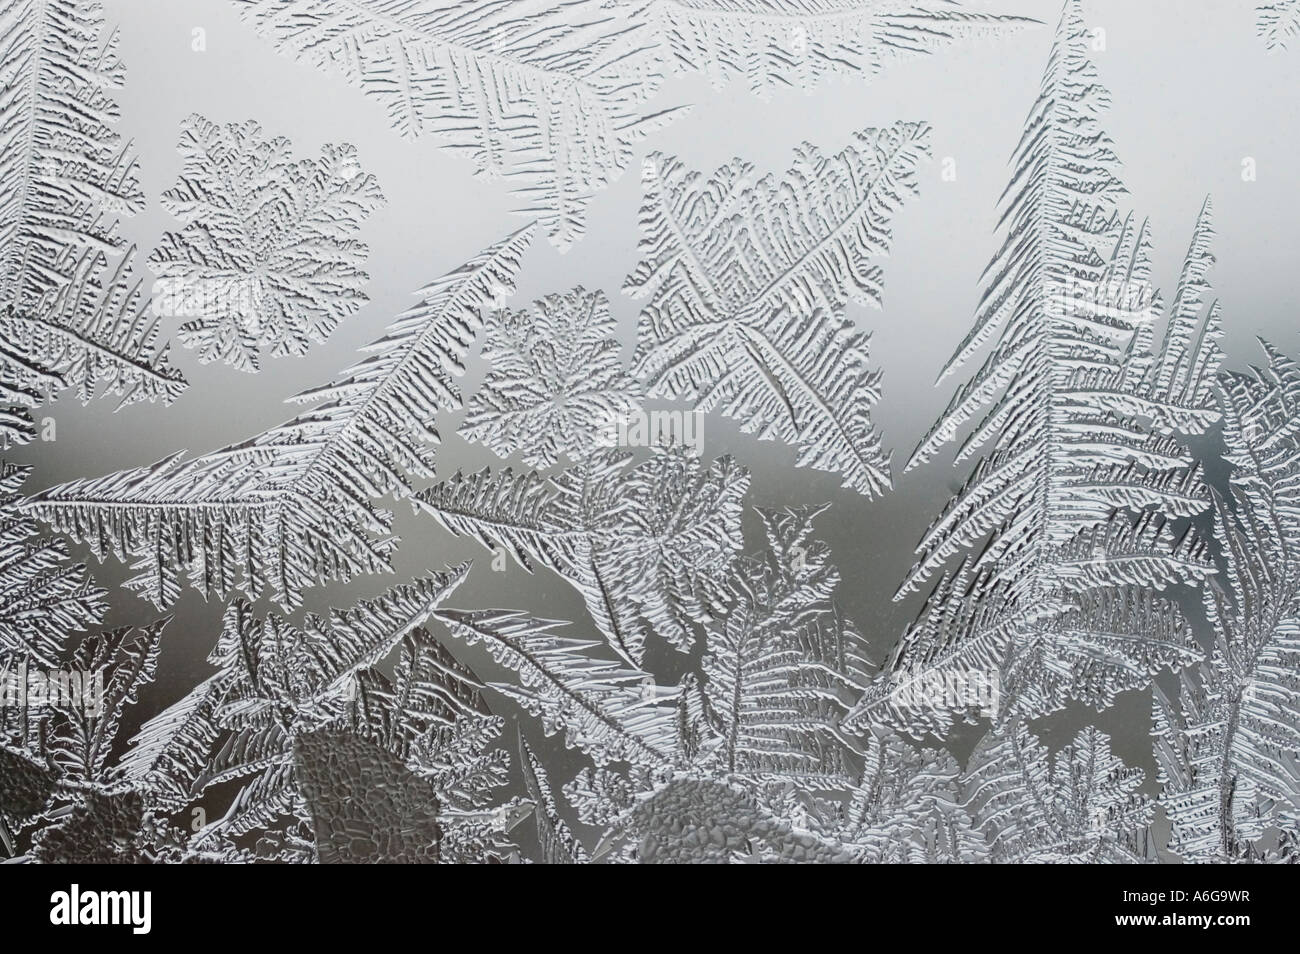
[539, 578]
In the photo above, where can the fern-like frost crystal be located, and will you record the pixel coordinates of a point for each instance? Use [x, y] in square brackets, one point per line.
[71, 313]
[1279, 23]
[552, 99]
[1080, 804]
[268, 255]
[649, 549]
[1226, 745]
[294, 507]
[556, 384]
[747, 281]
[1074, 519]
[555, 98]
[44, 597]
[774, 44]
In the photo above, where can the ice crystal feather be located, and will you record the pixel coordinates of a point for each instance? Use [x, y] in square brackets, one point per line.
[556, 99]
[1080, 804]
[90, 807]
[44, 597]
[1071, 518]
[427, 692]
[293, 507]
[602, 797]
[908, 806]
[297, 674]
[558, 845]
[267, 256]
[775, 44]
[82, 737]
[597, 703]
[552, 99]
[517, 513]
[281, 686]
[556, 383]
[677, 541]
[1228, 744]
[433, 714]
[70, 313]
[168, 754]
[648, 549]
[747, 283]
[1279, 23]
[751, 678]
[783, 665]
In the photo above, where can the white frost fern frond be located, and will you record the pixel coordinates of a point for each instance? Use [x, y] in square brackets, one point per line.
[267, 256]
[1279, 23]
[67, 173]
[649, 549]
[427, 693]
[558, 845]
[1078, 805]
[550, 98]
[83, 738]
[775, 44]
[1074, 515]
[44, 597]
[298, 673]
[747, 283]
[603, 708]
[278, 683]
[70, 315]
[556, 524]
[1228, 746]
[908, 807]
[783, 663]
[293, 507]
[171, 750]
[433, 714]
[556, 383]
[515, 514]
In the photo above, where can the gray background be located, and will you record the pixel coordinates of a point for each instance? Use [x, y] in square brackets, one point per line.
[1194, 93]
